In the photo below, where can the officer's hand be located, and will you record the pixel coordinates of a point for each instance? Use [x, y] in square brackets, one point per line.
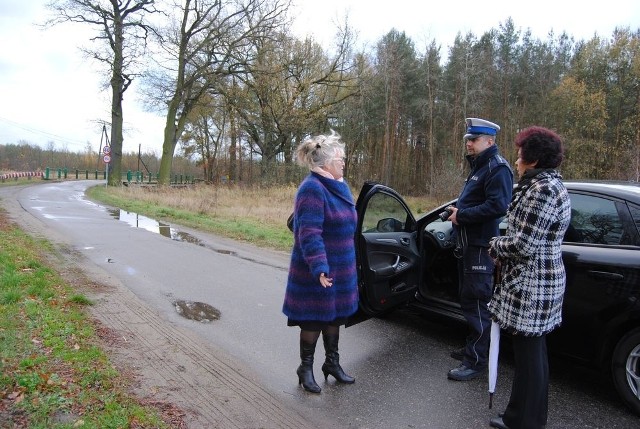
[453, 218]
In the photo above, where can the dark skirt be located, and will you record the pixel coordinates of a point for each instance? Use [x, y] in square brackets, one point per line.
[316, 325]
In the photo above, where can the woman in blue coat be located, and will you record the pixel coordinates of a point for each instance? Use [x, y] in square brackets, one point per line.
[527, 302]
[322, 283]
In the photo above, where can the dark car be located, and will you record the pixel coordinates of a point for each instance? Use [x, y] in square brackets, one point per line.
[403, 260]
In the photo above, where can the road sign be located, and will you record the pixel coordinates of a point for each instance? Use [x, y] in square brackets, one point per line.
[106, 150]
[107, 159]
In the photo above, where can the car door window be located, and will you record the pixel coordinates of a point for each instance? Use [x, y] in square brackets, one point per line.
[594, 220]
[635, 213]
[384, 214]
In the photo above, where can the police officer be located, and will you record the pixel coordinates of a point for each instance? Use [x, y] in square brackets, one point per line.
[481, 205]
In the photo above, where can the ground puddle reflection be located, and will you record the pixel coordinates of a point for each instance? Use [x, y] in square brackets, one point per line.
[198, 311]
[138, 221]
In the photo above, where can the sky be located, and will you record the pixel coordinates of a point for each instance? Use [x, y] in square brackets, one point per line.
[51, 93]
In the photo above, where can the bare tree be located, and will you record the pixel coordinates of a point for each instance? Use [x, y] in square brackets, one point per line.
[397, 74]
[292, 89]
[204, 133]
[122, 36]
[432, 75]
[208, 40]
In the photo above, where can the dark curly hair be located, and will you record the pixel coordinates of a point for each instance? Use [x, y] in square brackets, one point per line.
[542, 145]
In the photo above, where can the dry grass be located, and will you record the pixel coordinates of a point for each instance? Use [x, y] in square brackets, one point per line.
[267, 204]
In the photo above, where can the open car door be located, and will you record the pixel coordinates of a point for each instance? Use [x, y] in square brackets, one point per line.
[387, 253]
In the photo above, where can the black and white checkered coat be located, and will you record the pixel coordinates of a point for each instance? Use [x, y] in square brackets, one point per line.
[528, 299]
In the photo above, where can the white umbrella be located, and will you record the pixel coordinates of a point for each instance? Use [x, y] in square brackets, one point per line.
[494, 351]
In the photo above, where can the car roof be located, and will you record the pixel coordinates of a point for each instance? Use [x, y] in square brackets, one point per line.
[619, 189]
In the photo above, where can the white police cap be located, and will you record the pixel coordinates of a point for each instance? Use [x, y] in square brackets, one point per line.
[480, 127]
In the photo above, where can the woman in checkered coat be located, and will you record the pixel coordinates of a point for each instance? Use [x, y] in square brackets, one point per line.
[527, 302]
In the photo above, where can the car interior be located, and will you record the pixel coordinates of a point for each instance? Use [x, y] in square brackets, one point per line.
[440, 271]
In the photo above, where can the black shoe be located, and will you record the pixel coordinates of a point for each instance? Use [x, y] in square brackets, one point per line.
[462, 373]
[457, 354]
[497, 422]
[331, 364]
[306, 380]
[330, 368]
[305, 370]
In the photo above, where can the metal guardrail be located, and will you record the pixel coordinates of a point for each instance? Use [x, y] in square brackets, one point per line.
[128, 177]
[64, 174]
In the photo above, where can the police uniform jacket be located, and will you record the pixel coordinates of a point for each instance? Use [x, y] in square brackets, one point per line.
[484, 198]
[528, 300]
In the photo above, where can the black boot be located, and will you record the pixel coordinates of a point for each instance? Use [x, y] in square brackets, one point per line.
[332, 362]
[305, 370]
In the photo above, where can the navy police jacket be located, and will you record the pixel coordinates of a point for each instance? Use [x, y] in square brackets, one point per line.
[484, 199]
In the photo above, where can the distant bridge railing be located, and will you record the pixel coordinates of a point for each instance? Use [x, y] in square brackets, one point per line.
[65, 174]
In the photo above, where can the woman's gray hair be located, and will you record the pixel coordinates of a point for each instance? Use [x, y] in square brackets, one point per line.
[317, 151]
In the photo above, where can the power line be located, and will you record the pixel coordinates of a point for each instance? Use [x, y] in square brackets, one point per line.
[52, 136]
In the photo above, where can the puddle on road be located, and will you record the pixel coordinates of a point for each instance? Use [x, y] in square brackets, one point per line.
[139, 221]
[198, 311]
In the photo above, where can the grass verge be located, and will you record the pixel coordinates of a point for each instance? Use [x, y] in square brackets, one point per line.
[53, 371]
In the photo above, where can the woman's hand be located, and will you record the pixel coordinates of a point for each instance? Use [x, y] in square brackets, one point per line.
[325, 281]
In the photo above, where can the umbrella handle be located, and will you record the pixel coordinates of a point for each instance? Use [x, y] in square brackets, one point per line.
[490, 400]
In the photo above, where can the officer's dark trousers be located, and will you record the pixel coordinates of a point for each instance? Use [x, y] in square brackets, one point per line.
[476, 286]
[528, 404]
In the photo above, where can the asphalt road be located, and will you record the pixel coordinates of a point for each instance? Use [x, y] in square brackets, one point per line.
[400, 362]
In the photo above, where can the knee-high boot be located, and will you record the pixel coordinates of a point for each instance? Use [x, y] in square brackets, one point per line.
[305, 370]
[332, 361]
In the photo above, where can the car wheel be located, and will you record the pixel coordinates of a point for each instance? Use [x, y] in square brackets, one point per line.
[625, 365]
